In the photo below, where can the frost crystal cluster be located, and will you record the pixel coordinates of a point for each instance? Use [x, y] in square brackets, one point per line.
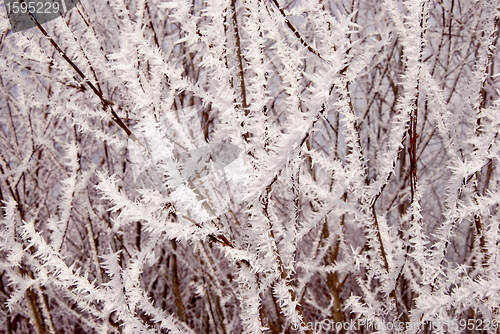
[251, 166]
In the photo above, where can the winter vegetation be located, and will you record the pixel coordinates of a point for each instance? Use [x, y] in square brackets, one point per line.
[251, 166]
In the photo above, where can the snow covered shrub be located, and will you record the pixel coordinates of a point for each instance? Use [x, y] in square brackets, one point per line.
[251, 166]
